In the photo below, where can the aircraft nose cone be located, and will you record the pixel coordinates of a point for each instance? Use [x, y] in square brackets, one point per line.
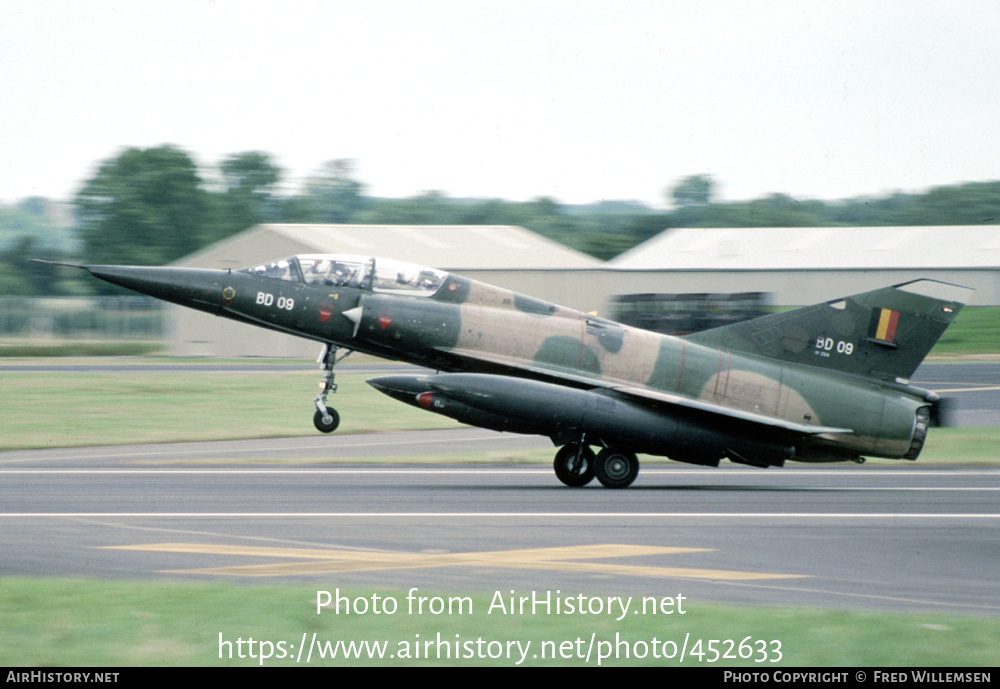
[196, 288]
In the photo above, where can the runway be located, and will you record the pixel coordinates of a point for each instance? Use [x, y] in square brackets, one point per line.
[863, 537]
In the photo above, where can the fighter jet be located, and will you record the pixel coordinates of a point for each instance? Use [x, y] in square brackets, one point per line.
[825, 383]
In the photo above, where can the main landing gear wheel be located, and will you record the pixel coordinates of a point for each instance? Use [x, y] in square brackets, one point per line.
[326, 423]
[574, 465]
[616, 468]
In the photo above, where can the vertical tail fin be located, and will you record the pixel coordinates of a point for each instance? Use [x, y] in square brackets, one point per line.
[883, 334]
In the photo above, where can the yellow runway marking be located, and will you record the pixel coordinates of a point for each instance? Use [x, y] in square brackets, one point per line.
[564, 559]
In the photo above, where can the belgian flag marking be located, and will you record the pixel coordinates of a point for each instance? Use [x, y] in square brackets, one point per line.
[883, 325]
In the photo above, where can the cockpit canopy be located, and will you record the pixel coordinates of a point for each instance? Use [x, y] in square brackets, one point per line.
[337, 270]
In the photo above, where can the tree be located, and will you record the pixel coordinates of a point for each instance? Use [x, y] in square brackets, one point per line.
[335, 195]
[145, 207]
[247, 200]
[21, 277]
[250, 173]
[18, 222]
[693, 191]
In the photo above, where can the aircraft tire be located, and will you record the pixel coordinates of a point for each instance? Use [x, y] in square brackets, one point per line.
[616, 468]
[324, 427]
[563, 465]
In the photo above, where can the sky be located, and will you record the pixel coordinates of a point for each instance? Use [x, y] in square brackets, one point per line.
[578, 100]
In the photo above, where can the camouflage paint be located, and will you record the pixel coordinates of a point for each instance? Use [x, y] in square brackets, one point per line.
[834, 367]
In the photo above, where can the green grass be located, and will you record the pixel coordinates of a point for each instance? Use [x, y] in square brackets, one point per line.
[39, 410]
[976, 331]
[971, 445]
[60, 410]
[109, 623]
[72, 349]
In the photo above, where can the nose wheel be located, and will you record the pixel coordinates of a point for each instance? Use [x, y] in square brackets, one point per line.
[326, 422]
[326, 419]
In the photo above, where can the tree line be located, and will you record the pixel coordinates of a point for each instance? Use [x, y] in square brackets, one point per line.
[153, 206]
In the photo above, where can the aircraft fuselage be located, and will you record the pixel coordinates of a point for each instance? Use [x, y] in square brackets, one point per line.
[824, 383]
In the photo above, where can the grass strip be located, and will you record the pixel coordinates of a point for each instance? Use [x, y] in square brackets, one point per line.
[108, 623]
[66, 410]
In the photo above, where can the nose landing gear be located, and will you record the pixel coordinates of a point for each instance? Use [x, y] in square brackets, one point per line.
[327, 419]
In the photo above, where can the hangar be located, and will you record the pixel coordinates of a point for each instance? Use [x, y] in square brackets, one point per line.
[806, 265]
[510, 257]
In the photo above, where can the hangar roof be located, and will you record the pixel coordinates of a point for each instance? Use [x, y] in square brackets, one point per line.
[448, 247]
[816, 248]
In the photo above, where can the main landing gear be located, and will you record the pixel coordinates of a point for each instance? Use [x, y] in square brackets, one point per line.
[326, 419]
[576, 465]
